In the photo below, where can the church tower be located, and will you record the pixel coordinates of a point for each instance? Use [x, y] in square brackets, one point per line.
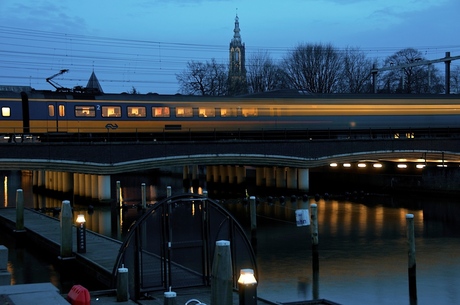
[237, 69]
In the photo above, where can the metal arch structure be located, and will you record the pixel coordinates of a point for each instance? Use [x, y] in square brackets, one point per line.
[173, 245]
[447, 60]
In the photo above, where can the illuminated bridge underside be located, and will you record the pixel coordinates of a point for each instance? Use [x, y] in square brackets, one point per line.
[231, 159]
[111, 158]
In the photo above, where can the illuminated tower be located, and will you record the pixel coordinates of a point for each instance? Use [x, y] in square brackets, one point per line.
[237, 69]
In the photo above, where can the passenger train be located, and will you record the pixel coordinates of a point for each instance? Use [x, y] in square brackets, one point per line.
[47, 115]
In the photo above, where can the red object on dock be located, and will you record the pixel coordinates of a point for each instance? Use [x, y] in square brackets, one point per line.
[79, 295]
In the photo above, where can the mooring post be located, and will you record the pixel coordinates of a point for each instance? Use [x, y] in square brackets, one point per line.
[66, 230]
[122, 284]
[314, 248]
[169, 297]
[411, 257]
[118, 193]
[19, 210]
[143, 196]
[252, 211]
[221, 275]
[168, 191]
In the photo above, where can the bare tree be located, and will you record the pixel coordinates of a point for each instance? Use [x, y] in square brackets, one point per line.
[314, 67]
[413, 79]
[263, 74]
[355, 73]
[203, 78]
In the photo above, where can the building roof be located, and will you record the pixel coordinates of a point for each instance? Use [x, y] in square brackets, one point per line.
[93, 83]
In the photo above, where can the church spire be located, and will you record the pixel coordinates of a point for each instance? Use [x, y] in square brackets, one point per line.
[236, 31]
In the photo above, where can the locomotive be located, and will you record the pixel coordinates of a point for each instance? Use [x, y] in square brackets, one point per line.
[48, 116]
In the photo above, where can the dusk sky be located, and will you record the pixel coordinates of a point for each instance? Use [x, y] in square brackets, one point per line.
[144, 44]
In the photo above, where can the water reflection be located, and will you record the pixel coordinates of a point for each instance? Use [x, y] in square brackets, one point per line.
[362, 241]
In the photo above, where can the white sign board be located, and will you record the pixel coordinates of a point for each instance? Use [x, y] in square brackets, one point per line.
[302, 217]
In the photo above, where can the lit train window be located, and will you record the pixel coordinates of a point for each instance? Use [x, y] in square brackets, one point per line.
[136, 112]
[6, 111]
[249, 112]
[85, 111]
[51, 110]
[206, 112]
[160, 112]
[184, 111]
[228, 112]
[111, 111]
[61, 109]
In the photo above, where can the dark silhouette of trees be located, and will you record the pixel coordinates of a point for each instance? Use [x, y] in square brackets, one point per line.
[313, 67]
[355, 72]
[203, 78]
[263, 74]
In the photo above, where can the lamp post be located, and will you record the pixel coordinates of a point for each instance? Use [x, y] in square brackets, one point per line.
[247, 287]
[81, 234]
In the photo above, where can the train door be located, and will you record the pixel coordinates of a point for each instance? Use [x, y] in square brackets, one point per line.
[57, 121]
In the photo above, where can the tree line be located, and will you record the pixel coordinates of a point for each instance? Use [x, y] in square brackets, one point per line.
[317, 68]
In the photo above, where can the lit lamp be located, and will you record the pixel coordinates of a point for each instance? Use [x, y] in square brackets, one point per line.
[81, 234]
[247, 287]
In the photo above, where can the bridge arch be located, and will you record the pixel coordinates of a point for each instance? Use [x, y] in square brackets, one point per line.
[173, 244]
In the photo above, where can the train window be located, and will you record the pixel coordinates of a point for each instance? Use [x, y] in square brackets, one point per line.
[85, 111]
[184, 111]
[51, 110]
[6, 111]
[61, 109]
[136, 112]
[249, 112]
[160, 112]
[206, 112]
[228, 112]
[111, 111]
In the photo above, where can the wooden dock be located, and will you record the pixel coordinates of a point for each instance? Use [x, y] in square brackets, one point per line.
[101, 251]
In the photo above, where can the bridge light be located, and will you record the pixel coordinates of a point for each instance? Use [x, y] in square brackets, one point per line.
[441, 165]
[361, 165]
[346, 165]
[377, 165]
[402, 165]
[333, 165]
[420, 166]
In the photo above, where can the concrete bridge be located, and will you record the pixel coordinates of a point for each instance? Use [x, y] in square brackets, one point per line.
[106, 158]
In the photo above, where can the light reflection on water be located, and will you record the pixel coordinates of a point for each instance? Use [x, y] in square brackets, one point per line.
[362, 246]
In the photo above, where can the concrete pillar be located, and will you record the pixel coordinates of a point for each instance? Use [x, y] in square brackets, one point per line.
[231, 170]
[280, 177]
[40, 178]
[208, 172]
[104, 187]
[240, 172]
[304, 179]
[94, 187]
[194, 172]
[269, 176]
[291, 178]
[223, 173]
[215, 173]
[260, 176]
[76, 184]
[67, 182]
[185, 172]
[88, 190]
[81, 184]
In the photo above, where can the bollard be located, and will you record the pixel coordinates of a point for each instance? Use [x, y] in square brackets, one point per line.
[66, 230]
[122, 284]
[144, 196]
[314, 248]
[247, 287]
[118, 193]
[168, 191]
[19, 210]
[169, 297]
[253, 213]
[411, 257]
[221, 275]
[5, 275]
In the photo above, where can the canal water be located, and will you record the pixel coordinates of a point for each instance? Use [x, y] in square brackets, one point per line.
[362, 241]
